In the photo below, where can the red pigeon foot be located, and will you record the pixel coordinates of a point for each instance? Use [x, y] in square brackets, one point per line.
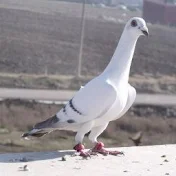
[99, 148]
[80, 148]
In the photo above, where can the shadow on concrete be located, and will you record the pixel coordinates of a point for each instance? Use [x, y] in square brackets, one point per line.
[32, 156]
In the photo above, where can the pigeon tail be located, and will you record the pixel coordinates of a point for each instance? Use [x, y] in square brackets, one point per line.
[35, 133]
[42, 128]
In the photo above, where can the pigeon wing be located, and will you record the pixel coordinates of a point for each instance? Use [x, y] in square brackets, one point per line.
[89, 103]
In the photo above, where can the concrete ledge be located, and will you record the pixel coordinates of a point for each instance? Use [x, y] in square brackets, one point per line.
[138, 161]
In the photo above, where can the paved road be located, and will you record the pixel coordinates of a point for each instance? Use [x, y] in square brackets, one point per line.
[60, 96]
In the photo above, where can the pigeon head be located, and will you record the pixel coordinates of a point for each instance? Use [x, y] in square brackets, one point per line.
[137, 26]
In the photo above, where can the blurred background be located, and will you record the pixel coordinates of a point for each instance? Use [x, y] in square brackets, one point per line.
[61, 45]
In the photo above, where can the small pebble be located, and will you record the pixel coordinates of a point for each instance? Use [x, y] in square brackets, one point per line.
[77, 168]
[167, 174]
[166, 160]
[63, 158]
[24, 168]
[125, 171]
[135, 161]
[163, 156]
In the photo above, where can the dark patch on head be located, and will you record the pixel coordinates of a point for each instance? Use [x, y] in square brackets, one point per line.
[71, 121]
[73, 108]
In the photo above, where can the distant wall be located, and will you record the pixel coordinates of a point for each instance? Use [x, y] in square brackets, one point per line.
[159, 12]
[170, 14]
[153, 12]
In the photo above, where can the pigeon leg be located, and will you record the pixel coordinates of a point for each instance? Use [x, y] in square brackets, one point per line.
[99, 148]
[80, 148]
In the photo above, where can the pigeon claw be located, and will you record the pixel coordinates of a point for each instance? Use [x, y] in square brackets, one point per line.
[80, 149]
[99, 148]
[85, 155]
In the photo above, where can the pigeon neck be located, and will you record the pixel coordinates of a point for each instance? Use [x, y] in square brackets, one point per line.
[119, 66]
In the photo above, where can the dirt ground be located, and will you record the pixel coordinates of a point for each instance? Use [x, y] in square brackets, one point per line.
[40, 39]
[36, 43]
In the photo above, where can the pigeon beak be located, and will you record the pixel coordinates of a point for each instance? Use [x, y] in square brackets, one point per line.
[145, 31]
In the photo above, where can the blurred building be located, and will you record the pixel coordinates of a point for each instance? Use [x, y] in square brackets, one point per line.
[108, 2]
[125, 2]
[160, 11]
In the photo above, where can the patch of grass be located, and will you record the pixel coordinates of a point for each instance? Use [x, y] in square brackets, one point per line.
[143, 84]
[158, 127]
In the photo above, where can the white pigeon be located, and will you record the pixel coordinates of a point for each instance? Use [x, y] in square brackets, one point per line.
[105, 98]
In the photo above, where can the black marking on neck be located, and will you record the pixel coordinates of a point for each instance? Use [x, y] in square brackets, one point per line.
[73, 108]
[70, 121]
[64, 109]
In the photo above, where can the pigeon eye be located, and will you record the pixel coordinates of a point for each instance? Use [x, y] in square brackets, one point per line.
[134, 23]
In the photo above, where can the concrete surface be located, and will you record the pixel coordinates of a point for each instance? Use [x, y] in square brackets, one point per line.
[58, 96]
[138, 161]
